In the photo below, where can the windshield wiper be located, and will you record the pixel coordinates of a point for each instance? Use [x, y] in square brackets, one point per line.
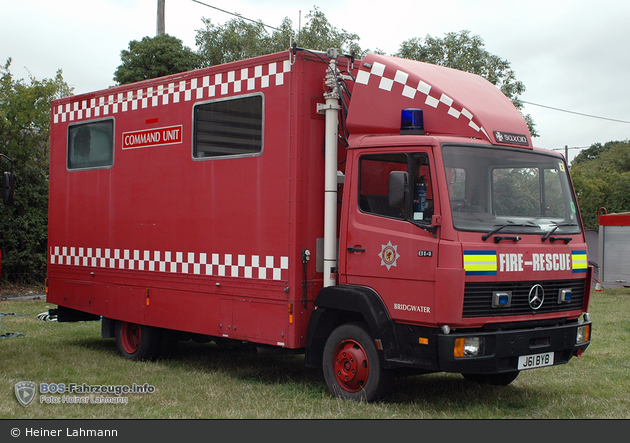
[510, 224]
[558, 225]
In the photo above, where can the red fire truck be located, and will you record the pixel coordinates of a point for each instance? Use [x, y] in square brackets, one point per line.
[382, 216]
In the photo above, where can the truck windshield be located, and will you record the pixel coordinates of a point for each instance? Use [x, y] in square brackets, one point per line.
[509, 190]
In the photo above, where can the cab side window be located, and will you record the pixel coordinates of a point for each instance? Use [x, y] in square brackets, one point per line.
[422, 189]
[374, 183]
[374, 186]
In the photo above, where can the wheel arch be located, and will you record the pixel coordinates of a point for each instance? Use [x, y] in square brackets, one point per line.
[336, 305]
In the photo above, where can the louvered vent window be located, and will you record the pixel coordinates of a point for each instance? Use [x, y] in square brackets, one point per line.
[232, 127]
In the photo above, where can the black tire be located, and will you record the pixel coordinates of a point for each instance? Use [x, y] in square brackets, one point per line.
[352, 366]
[138, 342]
[169, 343]
[502, 379]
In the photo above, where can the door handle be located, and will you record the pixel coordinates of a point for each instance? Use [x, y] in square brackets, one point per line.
[353, 249]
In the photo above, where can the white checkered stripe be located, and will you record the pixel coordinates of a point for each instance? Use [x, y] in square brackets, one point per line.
[204, 87]
[410, 91]
[221, 265]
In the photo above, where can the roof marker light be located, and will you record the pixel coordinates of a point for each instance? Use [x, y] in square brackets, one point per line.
[412, 122]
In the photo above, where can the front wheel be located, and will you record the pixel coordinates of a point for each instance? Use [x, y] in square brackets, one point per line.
[137, 342]
[352, 367]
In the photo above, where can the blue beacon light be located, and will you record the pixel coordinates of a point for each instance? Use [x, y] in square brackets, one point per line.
[412, 122]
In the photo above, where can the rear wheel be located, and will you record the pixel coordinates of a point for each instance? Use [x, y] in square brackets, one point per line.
[352, 367]
[502, 379]
[137, 342]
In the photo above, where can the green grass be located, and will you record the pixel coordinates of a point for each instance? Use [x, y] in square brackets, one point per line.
[205, 381]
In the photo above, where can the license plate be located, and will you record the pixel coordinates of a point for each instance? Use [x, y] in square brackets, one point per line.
[535, 361]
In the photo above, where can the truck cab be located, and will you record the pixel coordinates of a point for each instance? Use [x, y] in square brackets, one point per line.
[461, 249]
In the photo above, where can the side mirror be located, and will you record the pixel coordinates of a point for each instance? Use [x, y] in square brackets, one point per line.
[398, 188]
[7, 188]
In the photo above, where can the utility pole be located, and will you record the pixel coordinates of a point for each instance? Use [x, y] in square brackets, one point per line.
[160, 17]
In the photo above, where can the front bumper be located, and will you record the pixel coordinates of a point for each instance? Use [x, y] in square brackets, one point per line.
[503, 348]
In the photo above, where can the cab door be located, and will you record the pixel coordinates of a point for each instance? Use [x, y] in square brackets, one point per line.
[393, 249]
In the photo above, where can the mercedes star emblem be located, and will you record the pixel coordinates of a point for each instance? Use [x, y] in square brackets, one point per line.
[536, 297]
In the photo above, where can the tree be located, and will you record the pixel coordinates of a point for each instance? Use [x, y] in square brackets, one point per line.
[466, 52]
[24, 137]
[236, 40]
[319, 34]
[239, 39]
[154, 57]
[594, 151]
[601, 177]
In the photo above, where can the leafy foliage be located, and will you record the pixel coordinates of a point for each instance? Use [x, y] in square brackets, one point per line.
[601, 176]
[238, 39]
[320, 34]
[466, 52]
[154, 57]
[24, 137]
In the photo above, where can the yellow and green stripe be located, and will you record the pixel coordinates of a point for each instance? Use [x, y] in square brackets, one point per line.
[579, 262]
[480, 262]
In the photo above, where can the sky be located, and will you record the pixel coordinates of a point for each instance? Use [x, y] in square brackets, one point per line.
[572, 55]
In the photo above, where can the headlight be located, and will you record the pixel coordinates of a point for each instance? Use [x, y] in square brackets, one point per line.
[583, 334]
[469, 347]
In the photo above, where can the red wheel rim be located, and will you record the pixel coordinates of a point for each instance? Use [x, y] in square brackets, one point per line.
[130, 337]
[351, 366]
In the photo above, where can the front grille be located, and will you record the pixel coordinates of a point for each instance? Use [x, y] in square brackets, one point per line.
[478, 298]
